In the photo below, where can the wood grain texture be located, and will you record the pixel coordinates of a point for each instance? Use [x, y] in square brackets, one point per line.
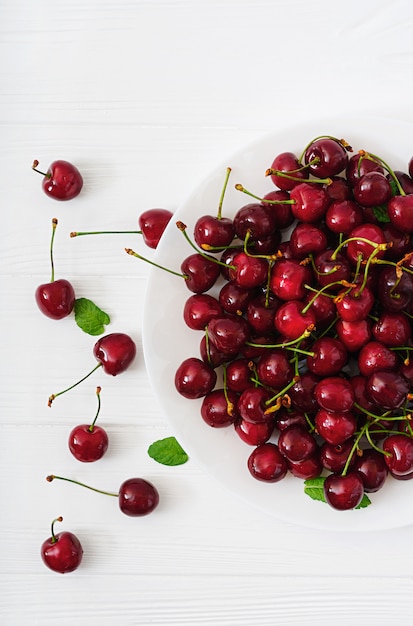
[146, 97]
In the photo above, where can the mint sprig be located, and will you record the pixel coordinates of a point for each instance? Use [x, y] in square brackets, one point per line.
[314, 488]
[89, 317]
[168, 452]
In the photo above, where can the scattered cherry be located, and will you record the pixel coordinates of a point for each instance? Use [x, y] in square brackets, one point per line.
[88, 442]
[61, 181]
[61, 552]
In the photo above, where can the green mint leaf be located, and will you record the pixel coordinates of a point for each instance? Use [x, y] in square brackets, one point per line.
[89, 317]
[314, 487]
[394, 187]
[167, 452]
[380, 213]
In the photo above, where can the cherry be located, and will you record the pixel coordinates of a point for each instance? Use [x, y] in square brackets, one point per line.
[284, 418]
[286, 171]
[327, 358]
[310, 202]
[234, 299]
[372, 468]
[293, 321]
[152, 224]
[400, 210]
[274, 369]
[372, 189]
[115, 352]
[334, 393]
[257, 220]
[200, 272]
[199, 309]
[339, 189]
[210, 354]
[253, 405]
[354, 335]
[387, 389]
[248, 271]
[358, 166]
[260, 312]
[376, 356]
[302, 392]
[266, 463]
[306, 469]
[363, 241]
[343, 216]
[55, 299]
[392, 329]
[354, 304]
[329, 269]
[326, 156]
[344, 492]
[61, 181]
[335, 426]
[89, 443]
[282, 210]
[219, 408]
[254, 434]
[228, 333]
[288, 279]
[215, 232]
[394, 290]
[194, 378]
[238, 375]
[62, 552]
[307, 239]
[296, 443]
[398, 449]
[136, 496]
[336, 458]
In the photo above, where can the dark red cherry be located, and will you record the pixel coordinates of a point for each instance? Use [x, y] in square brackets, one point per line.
[152, 224]
[261, 312]
[115, 352]
[334, 393]
[335, 426]
[257, 220]
[400, 211]
[62, 552]
[302, 392]
[228, 333]
[354, 335]
[210, 354]
[372, 468]
[288, 279]
[88, 445]
[254, 434]
[284, 418]
[290, 320]
[274, 369]
[326, 157]
[199, 309]
[310, 202]
[358, 166]
[306, 469]
[354, 304]
[344, 492]
[219, 408]
[137, 497]
[334, 458]
[328, 357]
[394, 291]
[372, 189]
[253, 405]
[287, 163]
[398, 450]
[343, 216]
[296, 443]
[307, 239]
[61, 181]
[376, 356]
[330, 270]
[282, 212]
[200, 272]
[392, 329]
[194, 378]
[360, 245]
[266, 463]
[56, 299]
[248, 271]
[235, 299]
[387, 389]
[238, 375]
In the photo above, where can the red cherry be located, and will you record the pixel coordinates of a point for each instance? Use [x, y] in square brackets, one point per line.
[115, 352]
[344, 492]
[138, 497]
[152, 224]
[219, 408]
[88, 442]
[398, 450]
[373, 469]
[214, 231]
[57, 298]
[254, 434]
[335, 426]
[266, 463]
[194, 378]
[62, 180]
[62, 552]
[326, 156]
[400, 211]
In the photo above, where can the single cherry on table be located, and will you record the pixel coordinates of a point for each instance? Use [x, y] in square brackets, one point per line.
[88, 442]
[61, 552]
[61, 181]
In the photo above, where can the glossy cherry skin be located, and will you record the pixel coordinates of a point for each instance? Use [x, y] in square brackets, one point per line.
[266, 463]
[238, 375]
[334, 458]
[376, 356]
[200, 272]
[291, 322]
[399, 459]
[373, 469]
[257, 220]
[392, 329]
[199, 309]
[296, 443]
[212, 231]
[394, 292]
[88, 445]
[219, 408]
[358, 247]
[228, 333]
[115, 352]
[137, 497]
[274, 369]
[372, 189]
[302, 393]
[329, 155]
[323, 308]
[342, 217]
[307, 239]
[310, 202]
[152, 223]
[287, 163]
[334, 426]
[344, 492]
[248, 271]
[63, 553]
[261, 312]
[252, 405]
[306, 469]
[400, 211]
[254, 434]
[358, 166]
[354, 335]
[288, 279]
[334, 393]
[329, 357]
[211, 355]
[282, 212]
[63, 181]
[234, 299]
[194, 378]
[353, 305]
[330, 270]
[56, 299]
[387, 389]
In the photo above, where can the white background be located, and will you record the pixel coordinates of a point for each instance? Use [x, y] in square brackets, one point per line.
[146, 97]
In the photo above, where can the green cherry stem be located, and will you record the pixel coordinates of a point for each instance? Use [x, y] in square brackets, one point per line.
[182, 227]
[161, 267]
[373, 157]
[55, 395]
[224, 188]
[54, 225]
[52, 477]
[342, 142]
[92, 426]
[58, 519]
[323, 181]
[105, 232]
[240, 187]
[34, 167]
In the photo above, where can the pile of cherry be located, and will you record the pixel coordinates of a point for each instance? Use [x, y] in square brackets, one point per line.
[305, 304]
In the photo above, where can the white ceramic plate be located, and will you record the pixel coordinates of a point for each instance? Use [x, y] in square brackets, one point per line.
[167, 341]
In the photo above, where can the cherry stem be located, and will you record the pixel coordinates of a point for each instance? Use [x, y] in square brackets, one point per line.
[353, 449]
[342, 142]
[239, 187]
[34, 167]
[106, 232]
[286, 344]
[76, 482]
[373, 157]
[58, 519]
[55, 395]
[224, 188]
[322, 181]
[373, 244]
[54, 224]
[279, 394]
[161, 267]
[182, 227]
[92, 426]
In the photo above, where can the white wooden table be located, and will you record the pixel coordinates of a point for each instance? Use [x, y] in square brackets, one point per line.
[146, 97]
